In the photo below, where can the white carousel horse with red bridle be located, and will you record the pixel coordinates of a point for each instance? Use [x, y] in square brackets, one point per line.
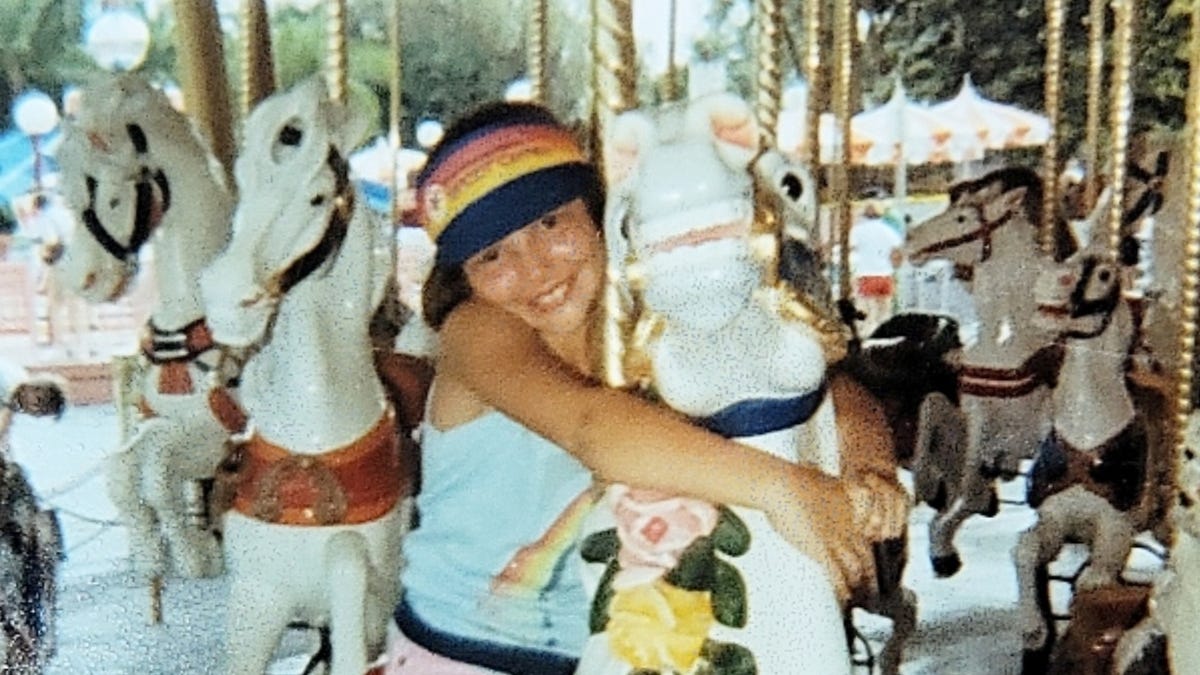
[315, 529]
[990, 227]
[740, 359]
[136, 175]
[1089, 473]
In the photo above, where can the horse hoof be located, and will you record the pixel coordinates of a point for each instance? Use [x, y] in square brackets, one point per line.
[1035, 661]
[946, 565]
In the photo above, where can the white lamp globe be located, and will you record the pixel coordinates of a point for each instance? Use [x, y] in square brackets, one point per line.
[429, 132]
[35, 113]
[118, 40]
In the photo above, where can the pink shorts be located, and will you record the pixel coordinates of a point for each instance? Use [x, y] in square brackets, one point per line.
[405, 657]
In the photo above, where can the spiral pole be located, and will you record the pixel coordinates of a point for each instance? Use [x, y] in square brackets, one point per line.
[336, 57]
[258, 65]
[1095, 82]
[814, 76]
[1120, 113]
[535, 56]
[843, 29]
[205, 85]
[614, 90]
[1055, 14]
[396, 104]
[769, 78]
[1190, 283]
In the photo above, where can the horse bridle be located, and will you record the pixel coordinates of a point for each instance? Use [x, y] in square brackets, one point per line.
[1081, 308]
[983, 232]
[142, 225]
[331, 239]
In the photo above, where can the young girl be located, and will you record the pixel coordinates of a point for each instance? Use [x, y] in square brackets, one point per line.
[518, 427]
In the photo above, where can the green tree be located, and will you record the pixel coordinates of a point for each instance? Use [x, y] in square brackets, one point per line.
[39, 48]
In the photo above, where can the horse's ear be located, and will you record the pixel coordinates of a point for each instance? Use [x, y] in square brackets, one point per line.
[1006, 202]
[730, 122]
[628, 138]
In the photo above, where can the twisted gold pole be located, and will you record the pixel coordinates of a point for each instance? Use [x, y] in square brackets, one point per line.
[1095, 82]
[258, 65]
[205, 85]
[396, 105]
[1053, 83]
[813, 75]
[1120, 112]
[843, 30]
[336, 58]
[671, 78]
[768, 22]
[614, 91]
[1190, 283]
[536, 54]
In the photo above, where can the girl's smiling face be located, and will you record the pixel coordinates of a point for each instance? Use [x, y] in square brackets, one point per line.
[548, 273]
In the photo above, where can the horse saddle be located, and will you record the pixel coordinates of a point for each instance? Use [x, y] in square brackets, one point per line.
[1115, 470]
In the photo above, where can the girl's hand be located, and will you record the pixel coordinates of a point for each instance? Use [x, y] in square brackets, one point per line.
[881, 505]
[816, 515]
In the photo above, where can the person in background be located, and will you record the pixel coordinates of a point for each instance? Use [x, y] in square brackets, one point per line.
[874, 254]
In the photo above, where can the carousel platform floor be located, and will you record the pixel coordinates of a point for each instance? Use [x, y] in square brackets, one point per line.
[967, 624]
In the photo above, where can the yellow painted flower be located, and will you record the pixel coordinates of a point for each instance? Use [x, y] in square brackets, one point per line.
[659, 627]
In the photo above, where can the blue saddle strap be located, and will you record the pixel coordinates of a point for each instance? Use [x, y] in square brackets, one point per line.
[754, 417]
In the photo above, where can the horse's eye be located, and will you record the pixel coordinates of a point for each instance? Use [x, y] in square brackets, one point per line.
[792, 186]
[1105, 276]
[114, 203]
[290, 135]
[317, 201]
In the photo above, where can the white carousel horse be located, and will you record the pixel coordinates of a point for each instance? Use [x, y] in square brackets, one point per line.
[314, 532]
[1090, 473]
[990, 226]
[729, 354]
[30, 538]
[136, 174]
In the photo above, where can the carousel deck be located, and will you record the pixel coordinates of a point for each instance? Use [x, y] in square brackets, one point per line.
[967, 623]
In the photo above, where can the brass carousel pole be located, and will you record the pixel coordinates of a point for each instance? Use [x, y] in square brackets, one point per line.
[813, 75]
[1122, 106]
[843, 30]
[614, 91]
[336, 61]
[205, 86]
[768, 19]
[1054, 38]
[670, 91]
[395, 108]
[536, 55]
[1095, 82]
[258, 64]
[1190, 284]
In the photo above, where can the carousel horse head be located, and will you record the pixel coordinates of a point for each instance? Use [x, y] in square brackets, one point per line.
[1079, 298]
[36, 395]
[296, 207]
[115, 180]
[966, 232]
[682, 206]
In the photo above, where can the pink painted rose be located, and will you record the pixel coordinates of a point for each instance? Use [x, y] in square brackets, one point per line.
[654, 530]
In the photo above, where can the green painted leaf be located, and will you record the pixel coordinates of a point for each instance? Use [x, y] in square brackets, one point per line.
[600, 546]
[728, 658]
[694, 572]
[729, 595]
[598, 620]
[730, 535]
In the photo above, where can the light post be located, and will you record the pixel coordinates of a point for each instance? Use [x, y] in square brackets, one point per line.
[36, 115]
[117, 40]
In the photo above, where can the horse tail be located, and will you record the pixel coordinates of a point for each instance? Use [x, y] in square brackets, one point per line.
[349, 567]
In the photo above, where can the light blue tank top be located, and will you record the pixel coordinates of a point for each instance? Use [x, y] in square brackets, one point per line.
[495, 555]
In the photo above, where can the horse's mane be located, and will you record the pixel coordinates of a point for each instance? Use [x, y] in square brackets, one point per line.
[1008, 178]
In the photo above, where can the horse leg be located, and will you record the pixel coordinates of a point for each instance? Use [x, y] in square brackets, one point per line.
[975, 496]
[122, 472]
[937, 452]
[1110, 539]
[900, 605]
[349, 567]
[195, 552]
[256, 622]
[1035, 549]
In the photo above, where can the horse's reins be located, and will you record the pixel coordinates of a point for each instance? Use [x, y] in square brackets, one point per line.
[142, 225]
